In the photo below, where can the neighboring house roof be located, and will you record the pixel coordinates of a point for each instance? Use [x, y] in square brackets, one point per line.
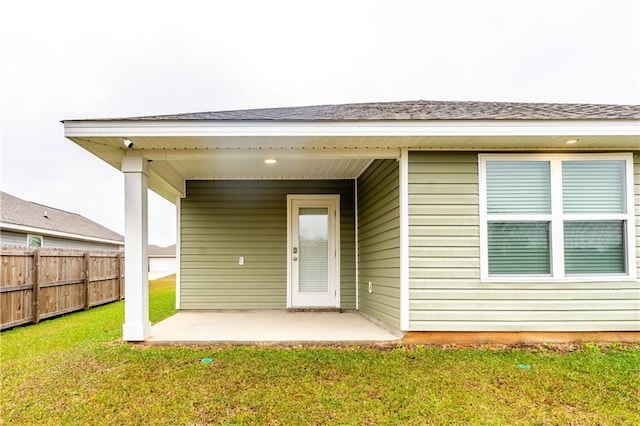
[415, 110]
[157, 251]
[18, 214]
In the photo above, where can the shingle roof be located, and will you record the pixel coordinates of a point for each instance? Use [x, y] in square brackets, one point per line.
[157, 251]
[417, 110]
[16, 211]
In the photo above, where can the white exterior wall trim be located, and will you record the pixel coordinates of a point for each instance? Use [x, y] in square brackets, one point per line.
[404, 240]
[178, 254]
[357, 242]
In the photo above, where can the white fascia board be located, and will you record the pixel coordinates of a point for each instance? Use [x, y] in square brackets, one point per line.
[356, 128]
[51, 233]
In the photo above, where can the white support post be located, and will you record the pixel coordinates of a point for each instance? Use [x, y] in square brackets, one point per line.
[137, 326]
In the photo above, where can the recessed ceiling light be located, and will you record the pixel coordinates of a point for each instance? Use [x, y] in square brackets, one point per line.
[571, 141]
[270, 161]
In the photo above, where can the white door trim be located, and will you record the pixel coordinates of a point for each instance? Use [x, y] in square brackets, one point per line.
[334, 232]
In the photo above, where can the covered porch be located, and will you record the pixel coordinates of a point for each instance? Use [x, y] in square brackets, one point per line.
[236, 177]
[270, 327]
[235, 190]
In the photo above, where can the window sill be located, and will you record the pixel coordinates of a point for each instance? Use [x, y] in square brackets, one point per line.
[571, 279]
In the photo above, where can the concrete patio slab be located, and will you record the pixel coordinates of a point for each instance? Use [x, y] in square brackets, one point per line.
[260, 327]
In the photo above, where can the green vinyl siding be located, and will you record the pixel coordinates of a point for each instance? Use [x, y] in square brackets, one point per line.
[221, 221]
[445, 291]
[379, 241]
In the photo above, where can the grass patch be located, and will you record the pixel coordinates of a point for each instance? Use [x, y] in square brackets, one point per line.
[75, 369]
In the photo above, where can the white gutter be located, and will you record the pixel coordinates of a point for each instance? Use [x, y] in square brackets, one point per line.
[185, 128]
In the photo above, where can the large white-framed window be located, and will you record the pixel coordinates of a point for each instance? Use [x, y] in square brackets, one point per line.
[556, 217]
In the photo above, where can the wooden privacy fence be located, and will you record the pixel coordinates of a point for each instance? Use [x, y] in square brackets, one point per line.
[42, 283]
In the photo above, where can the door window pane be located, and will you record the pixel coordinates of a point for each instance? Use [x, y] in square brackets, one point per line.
[313, 257]
[517, 248]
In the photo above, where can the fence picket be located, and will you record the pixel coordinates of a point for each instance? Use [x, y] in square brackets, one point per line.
[35, 294]
[42, 283]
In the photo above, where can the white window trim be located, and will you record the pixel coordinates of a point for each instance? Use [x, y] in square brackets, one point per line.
[556, 218]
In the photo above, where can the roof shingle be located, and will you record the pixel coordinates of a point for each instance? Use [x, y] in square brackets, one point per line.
[14, 210]
[157, 251]
[415, 110]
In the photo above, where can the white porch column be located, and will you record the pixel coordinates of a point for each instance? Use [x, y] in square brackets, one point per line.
[137, 326]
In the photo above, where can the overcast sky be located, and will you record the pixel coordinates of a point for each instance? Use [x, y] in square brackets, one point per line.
[94, 59]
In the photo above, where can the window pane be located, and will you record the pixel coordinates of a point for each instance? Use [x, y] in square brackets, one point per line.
[594, 247]
[519, 248]
[593, 186]
[34, 241]
[518, 187]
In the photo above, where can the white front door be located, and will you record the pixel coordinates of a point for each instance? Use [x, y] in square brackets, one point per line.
[314, 235]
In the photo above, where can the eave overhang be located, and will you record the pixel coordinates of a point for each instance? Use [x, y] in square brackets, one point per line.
[191, 149]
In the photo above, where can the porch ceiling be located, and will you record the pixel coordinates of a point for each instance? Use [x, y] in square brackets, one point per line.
[204, 150]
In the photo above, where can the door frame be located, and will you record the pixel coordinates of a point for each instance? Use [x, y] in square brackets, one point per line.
[333, 201]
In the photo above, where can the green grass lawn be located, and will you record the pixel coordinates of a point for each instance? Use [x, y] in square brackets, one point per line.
[75, 370]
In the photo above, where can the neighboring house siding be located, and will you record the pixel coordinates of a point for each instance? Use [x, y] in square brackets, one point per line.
[446, 293]
[162, 264]
[223, 220]
[379, 241]
[9, 238]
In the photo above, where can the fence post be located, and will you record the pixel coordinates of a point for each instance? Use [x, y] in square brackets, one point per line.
[87, 277]
[119, 274]
[35, 293]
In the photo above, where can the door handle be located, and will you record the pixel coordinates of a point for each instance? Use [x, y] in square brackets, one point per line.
[295, 258]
